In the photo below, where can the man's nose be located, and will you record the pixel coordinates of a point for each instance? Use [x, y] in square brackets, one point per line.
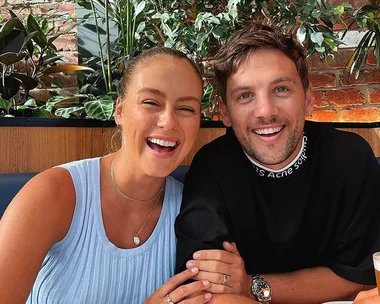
[265, 106]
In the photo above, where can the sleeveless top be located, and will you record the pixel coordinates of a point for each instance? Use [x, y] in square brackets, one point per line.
[85, 267]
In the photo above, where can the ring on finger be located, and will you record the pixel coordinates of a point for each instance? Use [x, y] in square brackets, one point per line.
[169, 300]
[225, 279]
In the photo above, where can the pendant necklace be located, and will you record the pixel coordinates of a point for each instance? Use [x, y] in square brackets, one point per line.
[156, 198]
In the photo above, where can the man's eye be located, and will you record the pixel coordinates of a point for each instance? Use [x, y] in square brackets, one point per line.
[245, 96]
[281, 90]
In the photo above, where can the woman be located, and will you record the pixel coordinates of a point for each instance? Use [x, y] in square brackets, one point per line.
[102, 228]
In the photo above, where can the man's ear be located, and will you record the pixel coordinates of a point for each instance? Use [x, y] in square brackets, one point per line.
[119, 112]
[309, 101]
[224, 113]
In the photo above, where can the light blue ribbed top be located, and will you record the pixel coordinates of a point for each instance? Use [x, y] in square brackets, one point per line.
[85, 267]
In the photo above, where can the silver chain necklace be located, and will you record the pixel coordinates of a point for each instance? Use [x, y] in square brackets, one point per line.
[136, 236]
[130, 198]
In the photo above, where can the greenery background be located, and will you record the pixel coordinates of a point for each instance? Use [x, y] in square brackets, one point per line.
[29, 59]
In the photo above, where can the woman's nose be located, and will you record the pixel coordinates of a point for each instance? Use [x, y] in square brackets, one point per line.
[168, 120]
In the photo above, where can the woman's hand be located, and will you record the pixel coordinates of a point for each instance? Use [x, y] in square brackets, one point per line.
[172, 293]
[224, 269]
[368, 297]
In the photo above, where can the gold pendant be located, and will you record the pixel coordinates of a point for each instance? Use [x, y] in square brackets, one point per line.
[136, 240]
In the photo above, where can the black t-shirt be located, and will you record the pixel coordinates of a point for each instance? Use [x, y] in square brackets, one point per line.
[320, 211]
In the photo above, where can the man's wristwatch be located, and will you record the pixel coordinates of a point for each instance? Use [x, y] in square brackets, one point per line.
[261, 289]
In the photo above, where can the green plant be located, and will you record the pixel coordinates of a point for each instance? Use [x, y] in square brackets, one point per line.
[311, 20]
[27, 56]
[366, 17]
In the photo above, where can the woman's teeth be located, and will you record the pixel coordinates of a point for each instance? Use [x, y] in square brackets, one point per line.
[161, 142]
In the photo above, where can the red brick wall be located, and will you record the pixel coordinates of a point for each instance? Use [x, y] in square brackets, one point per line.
[336, 98]
[66, 44]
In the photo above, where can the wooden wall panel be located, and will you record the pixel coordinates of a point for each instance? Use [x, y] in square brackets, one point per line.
[33, 149]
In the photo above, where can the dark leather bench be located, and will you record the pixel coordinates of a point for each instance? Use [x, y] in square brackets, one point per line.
[10, 184]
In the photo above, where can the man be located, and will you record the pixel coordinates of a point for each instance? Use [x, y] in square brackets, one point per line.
[299, 199]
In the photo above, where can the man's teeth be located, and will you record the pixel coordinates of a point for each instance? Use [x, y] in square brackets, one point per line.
[161, 142]
[268, 131]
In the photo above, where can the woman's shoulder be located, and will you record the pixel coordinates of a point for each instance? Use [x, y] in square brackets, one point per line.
[46, 201]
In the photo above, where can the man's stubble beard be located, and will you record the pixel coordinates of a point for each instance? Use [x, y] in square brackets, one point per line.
[265, 158]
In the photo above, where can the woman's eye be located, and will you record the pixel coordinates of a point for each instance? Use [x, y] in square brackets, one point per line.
[245, 96]
[150, 102]
[187, 109]
[281, 90]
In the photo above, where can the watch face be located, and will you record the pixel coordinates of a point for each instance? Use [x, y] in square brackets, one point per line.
[262, 290]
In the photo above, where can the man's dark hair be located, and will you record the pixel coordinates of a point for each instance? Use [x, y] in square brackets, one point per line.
[244, 42]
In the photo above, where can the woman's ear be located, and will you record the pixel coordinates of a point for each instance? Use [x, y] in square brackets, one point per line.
[119, 112]
[224, 113]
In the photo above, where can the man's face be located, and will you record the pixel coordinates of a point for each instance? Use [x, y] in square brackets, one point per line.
[266, 107]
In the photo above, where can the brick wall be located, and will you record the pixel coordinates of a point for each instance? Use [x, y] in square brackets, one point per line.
[66, 44]
[338, 99]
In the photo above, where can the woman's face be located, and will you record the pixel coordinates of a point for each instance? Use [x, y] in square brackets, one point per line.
[160, 115]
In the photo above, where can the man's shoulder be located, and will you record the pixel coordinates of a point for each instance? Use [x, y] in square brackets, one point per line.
[336, 141]
[337, 148]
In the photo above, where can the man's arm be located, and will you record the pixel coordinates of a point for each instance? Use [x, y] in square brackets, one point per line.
[203, 220]
[313, 285]
[306, 286]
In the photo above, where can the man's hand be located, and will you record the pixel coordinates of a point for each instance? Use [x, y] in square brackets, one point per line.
[225, 270]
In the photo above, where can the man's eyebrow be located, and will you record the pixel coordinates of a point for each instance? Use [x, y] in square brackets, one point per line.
[283, 79]
[240, 88]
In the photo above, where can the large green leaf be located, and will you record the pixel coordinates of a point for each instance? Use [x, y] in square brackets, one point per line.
[56, 100]
[7, 27]
[67, 112]
[301, 34]
[5, 104]
[317, 37]
[11, 58]
[10, 88]
[99, 109]
[139, 8]
[28, 82]
[42, 113]
[33, 26]
[13, 41]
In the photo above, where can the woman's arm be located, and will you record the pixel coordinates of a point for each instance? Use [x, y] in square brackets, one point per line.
[38, 217]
